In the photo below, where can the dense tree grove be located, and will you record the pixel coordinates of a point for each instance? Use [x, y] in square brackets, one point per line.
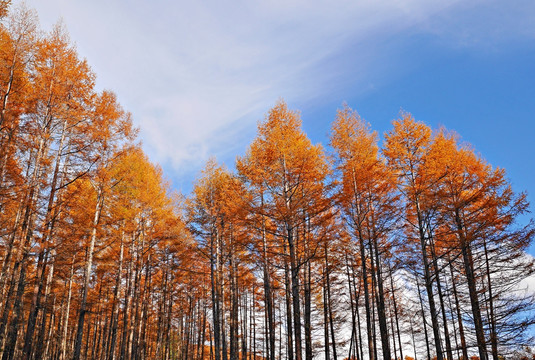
[411, 248]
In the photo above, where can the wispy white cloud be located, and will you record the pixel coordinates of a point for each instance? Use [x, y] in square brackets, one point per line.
[198, 75]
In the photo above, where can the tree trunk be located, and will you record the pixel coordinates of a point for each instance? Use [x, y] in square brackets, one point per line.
[12, 335]
[396, 313]
[308, 312]
[87, 275]
[428, 282]
[114, 308]
[380, 299]
[214, 260]
[329, 306]
[449, 351]
[471, 282]
[364, 270]
[296, 302]
[325, 317]
[66, 315]
[289, 327]
[424, 321]
[492, 319]
[474, 301]
[126, 309]
[268, 297]
[458, 310]
[234, 350]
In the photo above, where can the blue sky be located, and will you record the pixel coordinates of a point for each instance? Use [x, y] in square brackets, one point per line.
[197, 76]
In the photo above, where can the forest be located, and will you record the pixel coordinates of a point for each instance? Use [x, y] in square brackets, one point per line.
[409, 246]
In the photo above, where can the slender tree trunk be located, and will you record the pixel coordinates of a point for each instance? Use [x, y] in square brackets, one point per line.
[459, 315]
[330, 308]
[214, 260]
[492, 319]
[449, 351]
[296, 302]
[221, 265]
[308, 313]
[364, 270]
[289, 327]
[380, 299]
[114, 308]
[452, 318]
[373, 302]
[50, 342]
[87, 275]
[353, 342]
[12, 335]
[234, 307]
[161, 310]
[126, 309]
[145, 309]
[36, 303]
[396, 315]
[308, 308]
[66, 315]
[471, 282]
[7, 258]
[474, 301]
[413, 340]
[203, 338]
[424, 321]
[266, 338]
[429, 282]
[134, 330]
[325, 317]
[393, 331]
[254, 328]
[268, 297]
[46, 302]
[357, 292]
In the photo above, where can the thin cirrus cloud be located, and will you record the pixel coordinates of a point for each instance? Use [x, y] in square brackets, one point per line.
[198, 75]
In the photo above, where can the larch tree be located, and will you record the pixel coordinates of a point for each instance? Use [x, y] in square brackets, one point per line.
[113, 128]
[369, 203]
[216, 216]
[293, 172]
[479, 207]
[406, 148]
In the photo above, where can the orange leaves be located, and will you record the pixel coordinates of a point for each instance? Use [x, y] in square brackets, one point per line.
[407, 142]
[460, 198]
[357, 154]
[62, 83]
[367, 186]
[109, 120]
[472, 195]
[137, 186]
[283, 161]
[217, 209]
[352, 138]
[405, 148]
[217, 193]
[283, 152]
